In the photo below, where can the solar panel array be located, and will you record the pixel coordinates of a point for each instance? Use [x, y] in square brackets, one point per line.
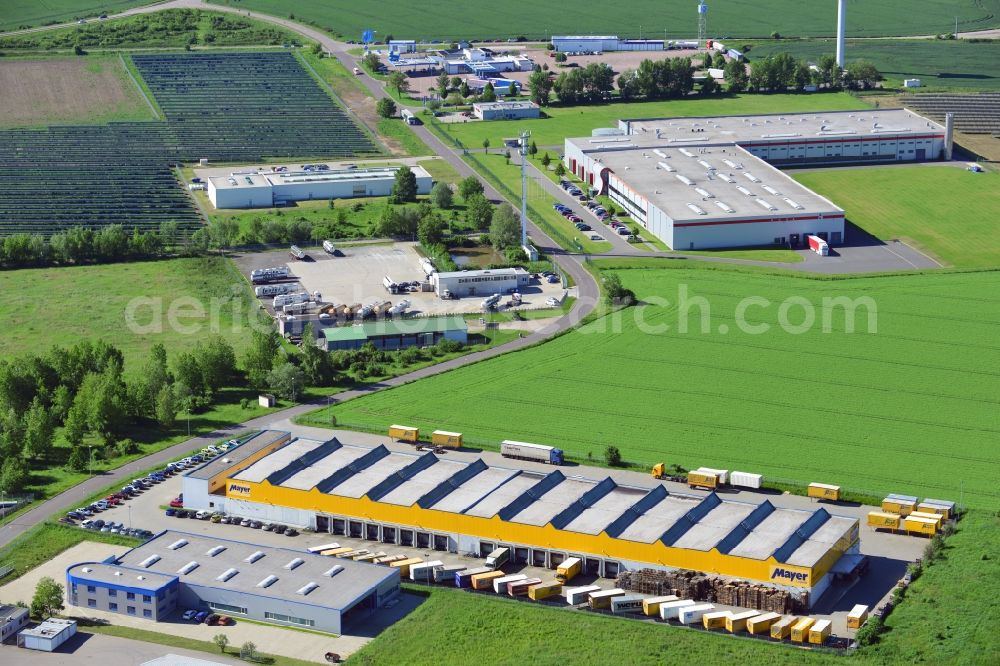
[975, 113]
[229, 107]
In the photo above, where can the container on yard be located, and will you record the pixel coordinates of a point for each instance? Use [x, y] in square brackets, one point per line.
[670, 610]
[484, 581]
[388, 559]
[446, 574]
[370, 557]
[354, 553]
[762, 623]
[544, 590]
[738, 621]
[819, 632]
[882, 520]
[783, 627]
[936, 517]
[450, 440]
[944, 507]
[333, 552]
[824, 491]
[519, 588]
[857, 616]
[651, 605]
[746, 479]
[425, 570]
[723, 474]
[928, 507]
[715, 619]
[404, 566]
[920, 525]
[818, 245]
[602, 598]
[526, 451]
[692, 614]
[404, 433]
[464, 578]
[569, 568]
[701, 479]
[500, 583]
[627, 603]
[904, 505]
[579, 595]
[800, 630]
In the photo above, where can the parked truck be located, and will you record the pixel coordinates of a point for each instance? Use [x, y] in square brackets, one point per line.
[500, 583]
[498, 558]
[275, 289]
[818, 245]
[404, 433]
[446, 573]
[704, 479]
[464, 578]
[526, 451]
[449, 440]
[570, 568]
[424, 571]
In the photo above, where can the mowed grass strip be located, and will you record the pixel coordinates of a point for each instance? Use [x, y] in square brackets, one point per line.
[910, 408]
[174, 302]
[945, 211]
[576, 121]
[60, 90]
[480, 20]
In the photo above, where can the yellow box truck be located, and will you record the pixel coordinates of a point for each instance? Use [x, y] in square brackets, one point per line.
[761, 624]
[449, 440]
[857, 616]
[881, 520]
[824, 491]
[738, 621]
[570, 567]
[404, 566]
[715, 619]
[700, 479]
[404, 433]
[800, 630]
[544, 590]
[819, 632]
[651, 605]
[783, 628]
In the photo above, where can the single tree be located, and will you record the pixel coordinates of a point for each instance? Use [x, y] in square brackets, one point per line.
[468, 186]
[613, 456]
[709, 86]
[442, 195]
[540, 87]
[486, 144]
[248, 651]
[708, 60]
[505, 228]
[478, 212]
[443, 82]
[48, 598]
[489, 93]
[546, 160]
[370, 62]
[385, 107]
[463, 90]
[560, 170]
[736, 76]
[430, 230]
[616, 292]
[13, 475]
[221, 640]
[456, 81]
[259, 357]
[77, 460]
[532, 149]
[398, 82]
[287, 381]
[404, 188]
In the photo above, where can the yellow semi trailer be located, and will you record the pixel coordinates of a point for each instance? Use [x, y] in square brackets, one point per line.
[449, 440]
[404, 433]
[880, 520]
[800, 630]
[761, 624]
[824, 491]
[544, 590]
[783, 628]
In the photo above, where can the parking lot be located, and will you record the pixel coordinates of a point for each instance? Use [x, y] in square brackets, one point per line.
[357, 276]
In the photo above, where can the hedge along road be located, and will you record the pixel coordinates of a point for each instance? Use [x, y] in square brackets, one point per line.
[589, 295]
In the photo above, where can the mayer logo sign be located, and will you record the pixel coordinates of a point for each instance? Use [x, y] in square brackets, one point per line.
[785, 576]
[237, 489]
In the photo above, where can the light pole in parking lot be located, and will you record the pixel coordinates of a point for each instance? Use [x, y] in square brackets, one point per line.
[130, 516]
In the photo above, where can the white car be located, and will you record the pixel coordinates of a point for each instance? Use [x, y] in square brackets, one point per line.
[552, 301]
[189, 614]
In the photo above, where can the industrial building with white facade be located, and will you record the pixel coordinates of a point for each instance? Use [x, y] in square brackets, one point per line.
[430, 502]
[268, 189]
[175, 570]
[700, 183]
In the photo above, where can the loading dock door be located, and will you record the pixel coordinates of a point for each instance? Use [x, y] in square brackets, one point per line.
[388, 535]
[322, 524]
[440, 542]
[405, 537]
[485, 548]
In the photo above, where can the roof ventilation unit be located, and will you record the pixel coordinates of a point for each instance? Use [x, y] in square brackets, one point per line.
[307, 588]
[659, 153]
[686, 152]
[188, 568]
[732, 165]
[298, 561]
[794, 204]
[180, 543]
[215, 550]
[744, 190]
[665, 167]
[149, 561]
[684, 179]
[724, 206]
[333, 571]
[706, 165]
[704, 193]
[765, 204]
[227, 574]
[752, 178]
[696, 209]
[727, 177]
[771, 190]
[254, 556]
[268, 582]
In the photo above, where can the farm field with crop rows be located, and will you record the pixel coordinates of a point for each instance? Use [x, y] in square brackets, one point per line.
[16, 14]
[941, 210]
[911, 408]
[437, 19]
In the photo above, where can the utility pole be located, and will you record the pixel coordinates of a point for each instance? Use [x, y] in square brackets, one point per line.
[523, 149]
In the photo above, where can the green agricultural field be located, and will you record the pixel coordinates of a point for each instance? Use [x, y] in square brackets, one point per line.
[62, 306]
[939, 64]
[17, 14]
[437, 19]
[911, 408]
[580, 120]
[942, 210]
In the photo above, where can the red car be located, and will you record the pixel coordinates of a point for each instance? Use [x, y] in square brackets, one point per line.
[112, 500]
[177, 503]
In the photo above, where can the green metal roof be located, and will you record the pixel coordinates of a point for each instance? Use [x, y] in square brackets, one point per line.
[386, 327]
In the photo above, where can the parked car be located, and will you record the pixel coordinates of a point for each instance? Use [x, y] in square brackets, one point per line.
[224, 621]
[553, 279]
[189, 614]
[177, 503]
[256, 524]
[171, 512]
[181, 513]
[75, 515]
[245, 522]
[202, 515]
[291, 532]
[280, 529]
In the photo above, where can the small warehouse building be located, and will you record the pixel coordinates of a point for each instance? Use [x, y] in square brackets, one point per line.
[599, 44]
[267, 189]
[12, 620]
[395, 334]
[403, 45]
[432, 502]
[506, 110]
[47, 636]
[460, 284]
[175, 570]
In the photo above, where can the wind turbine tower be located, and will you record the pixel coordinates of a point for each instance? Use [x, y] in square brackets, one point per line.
[702, 22]
[841, 20]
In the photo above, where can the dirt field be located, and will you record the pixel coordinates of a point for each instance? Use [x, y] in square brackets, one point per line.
[81, 90]
[422, 83]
